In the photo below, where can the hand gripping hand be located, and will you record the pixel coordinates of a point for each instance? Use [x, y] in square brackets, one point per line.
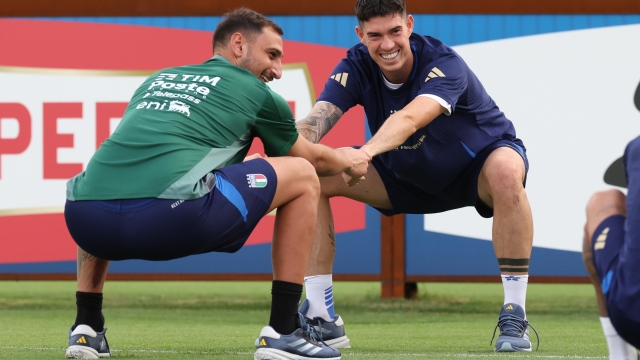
[359, 160]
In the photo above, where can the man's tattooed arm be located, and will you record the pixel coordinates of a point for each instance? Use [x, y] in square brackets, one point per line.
[320, 120]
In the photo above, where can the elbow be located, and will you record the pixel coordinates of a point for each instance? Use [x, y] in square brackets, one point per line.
[413, 125]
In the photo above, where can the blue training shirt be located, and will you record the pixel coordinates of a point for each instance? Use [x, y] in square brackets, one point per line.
[438, 153]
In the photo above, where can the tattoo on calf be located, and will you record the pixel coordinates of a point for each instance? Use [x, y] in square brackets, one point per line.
[514, 265]
[332, 236]
[87, 257]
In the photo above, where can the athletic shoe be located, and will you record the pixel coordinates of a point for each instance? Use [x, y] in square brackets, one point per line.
[85, 343]
[514, 332]
[331, 332]
[302, 344]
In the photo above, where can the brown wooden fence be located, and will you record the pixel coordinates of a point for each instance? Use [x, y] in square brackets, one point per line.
[305, 7]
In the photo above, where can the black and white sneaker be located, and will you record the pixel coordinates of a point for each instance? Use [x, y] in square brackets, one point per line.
[85, 343]
[302, 344]
[331, 332]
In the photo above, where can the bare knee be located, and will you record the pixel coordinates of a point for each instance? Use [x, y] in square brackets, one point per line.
[502, 177]
[602, 205]
[612, 198]
[296, 178]
[506, 177]
[306, 175]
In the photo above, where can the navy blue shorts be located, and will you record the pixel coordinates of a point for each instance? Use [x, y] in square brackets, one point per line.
[618, 272]
[407, 198]
[616, 255]
[163, 229]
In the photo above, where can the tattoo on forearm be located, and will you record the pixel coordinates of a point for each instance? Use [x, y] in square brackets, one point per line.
[87, 257]
[317, 124]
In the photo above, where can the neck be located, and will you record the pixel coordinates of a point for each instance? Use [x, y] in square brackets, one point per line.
[227, 55]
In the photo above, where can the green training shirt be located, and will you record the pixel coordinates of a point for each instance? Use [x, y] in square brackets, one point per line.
[181, 124]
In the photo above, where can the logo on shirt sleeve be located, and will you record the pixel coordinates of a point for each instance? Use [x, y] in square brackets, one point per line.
[341, 78]
[256, 180]
[435, 72]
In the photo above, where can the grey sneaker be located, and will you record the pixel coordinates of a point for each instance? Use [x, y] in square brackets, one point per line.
[302, 344]
[331, 332]
[85, 343]
[514, 332]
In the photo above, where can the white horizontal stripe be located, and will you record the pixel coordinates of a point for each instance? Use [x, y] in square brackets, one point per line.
[305, 348]
[296, 343]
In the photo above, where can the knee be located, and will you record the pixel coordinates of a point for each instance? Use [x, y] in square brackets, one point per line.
[612, 199]
[602, 205]
[307, 176]
[505, 178]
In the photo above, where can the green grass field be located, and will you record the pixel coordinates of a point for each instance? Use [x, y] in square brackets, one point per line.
[220, 320]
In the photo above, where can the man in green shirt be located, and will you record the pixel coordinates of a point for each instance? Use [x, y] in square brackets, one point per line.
[173, 180]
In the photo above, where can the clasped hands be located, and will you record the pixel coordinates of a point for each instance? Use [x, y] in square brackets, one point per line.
[359, 160]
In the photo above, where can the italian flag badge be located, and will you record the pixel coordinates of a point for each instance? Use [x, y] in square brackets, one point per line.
[256, 180]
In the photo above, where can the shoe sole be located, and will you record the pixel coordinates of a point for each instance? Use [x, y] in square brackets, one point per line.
[342, 342]
[275, 354]
[83, 352]
[506, 347]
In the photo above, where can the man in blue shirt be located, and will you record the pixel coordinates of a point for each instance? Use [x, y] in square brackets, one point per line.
[439, 143]
[611, 253]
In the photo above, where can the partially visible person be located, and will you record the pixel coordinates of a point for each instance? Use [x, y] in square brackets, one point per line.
[611, 254]
[439, 143]
[173, 180]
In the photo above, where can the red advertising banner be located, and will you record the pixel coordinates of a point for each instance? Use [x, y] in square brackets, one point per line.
[64, 87]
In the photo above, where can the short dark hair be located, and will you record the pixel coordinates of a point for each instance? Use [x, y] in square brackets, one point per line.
[367, 9]
[245, 21]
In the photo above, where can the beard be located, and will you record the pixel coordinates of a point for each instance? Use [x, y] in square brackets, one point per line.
[248, 64]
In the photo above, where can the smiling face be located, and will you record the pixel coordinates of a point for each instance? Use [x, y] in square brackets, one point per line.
[263, 55]
[387, 39]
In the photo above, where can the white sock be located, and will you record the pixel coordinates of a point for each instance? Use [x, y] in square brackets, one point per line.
[515, 289]
[319, 289]
[618, 348]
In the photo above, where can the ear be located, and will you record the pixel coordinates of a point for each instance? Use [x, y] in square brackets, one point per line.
[237, 44]
[360, 34]
[410, 23]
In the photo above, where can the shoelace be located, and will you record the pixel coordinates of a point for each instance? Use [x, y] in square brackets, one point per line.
[310, 332]
[514, 327]
[319, 331]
